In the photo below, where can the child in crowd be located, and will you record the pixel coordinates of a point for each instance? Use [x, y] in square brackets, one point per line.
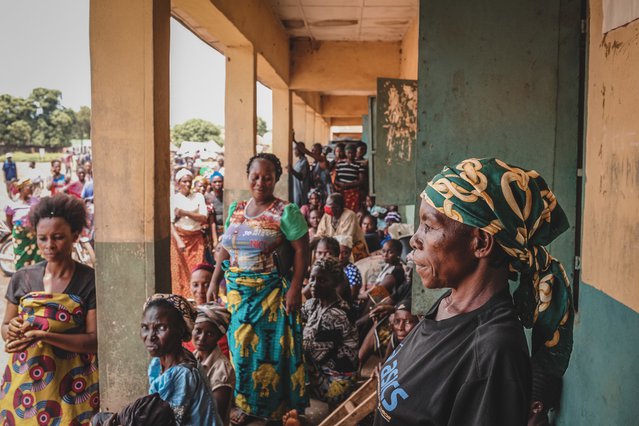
[314, 217]
[329, 247]
[200, 281]
[210, 326]
[329, 338]
[369, 227]
[392, 276]
[392, 216]
[402, 322]
[376, 211]
[351, 271]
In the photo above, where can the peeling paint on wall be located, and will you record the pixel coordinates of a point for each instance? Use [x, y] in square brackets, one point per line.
[611, 223]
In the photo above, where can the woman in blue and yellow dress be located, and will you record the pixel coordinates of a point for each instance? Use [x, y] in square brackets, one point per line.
[50, 327]
[264, 298]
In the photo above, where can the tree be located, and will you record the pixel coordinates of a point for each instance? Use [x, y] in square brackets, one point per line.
[197, 130]
[82, 126]
[262, 128]
[41, 120]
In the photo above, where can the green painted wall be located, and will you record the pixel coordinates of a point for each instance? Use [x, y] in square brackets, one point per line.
[602, 380]
[500, 79]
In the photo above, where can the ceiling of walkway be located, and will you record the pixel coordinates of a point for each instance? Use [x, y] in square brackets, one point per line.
[348, 20]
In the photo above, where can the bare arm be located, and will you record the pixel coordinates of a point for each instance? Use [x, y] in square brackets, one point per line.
[300, 264]
[9, 220]
[12, 323]
[180, 244]
[86, 342]
[198, 217]
[222, 400]
[220, 255]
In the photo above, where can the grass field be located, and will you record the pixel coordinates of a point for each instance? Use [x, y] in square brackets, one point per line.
[34, 156]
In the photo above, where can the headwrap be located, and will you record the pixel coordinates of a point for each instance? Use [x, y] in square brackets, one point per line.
[345, 240]
[404, 305]
[332, 267]
[199, 179]
[181, 173]
[517, 207]
[217, 315]
[203, 266]
[217, 174]
[22, 183]
[183, 307]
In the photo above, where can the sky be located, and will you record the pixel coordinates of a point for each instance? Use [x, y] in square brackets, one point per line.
[45, 43]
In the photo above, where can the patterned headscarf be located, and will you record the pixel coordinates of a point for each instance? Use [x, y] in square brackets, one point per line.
[331, 267]
[183, 307]
[217, 315]
[517, 207]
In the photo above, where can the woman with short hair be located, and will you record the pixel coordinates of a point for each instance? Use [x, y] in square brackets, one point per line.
[264, 236]
[50, 326]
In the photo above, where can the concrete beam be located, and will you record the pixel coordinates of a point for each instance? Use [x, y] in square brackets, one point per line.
[239, 121]
[346, 121]
[342, 66]
[229, 23]
[311, 99]
[344, 106]
[129, 44]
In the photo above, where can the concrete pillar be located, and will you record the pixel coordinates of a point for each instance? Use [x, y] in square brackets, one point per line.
[299, 120]
[130, 132]
[239, 121]
[310, 126]
[318, 129]
[282, 143]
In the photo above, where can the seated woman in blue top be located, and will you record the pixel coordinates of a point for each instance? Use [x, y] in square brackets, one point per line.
[174, 372]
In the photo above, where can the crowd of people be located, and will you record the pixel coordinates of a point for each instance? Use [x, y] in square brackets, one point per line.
[278, 302]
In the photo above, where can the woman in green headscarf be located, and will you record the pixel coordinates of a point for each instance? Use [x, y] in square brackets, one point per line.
[483, 222]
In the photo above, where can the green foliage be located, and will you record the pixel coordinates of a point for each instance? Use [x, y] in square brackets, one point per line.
[262, 128]
[41, 120]
[196, 130]
[19, 157]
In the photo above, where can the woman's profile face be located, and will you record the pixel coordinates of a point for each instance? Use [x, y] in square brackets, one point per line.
[442, 252]
[159, 331]
[261, 179]
[55, 239]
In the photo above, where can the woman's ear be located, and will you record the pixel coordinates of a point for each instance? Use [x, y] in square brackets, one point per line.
[483, 243]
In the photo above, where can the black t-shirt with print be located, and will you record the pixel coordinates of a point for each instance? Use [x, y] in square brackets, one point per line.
[472, 369]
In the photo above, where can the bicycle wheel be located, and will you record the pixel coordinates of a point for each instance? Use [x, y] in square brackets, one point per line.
[7, 258]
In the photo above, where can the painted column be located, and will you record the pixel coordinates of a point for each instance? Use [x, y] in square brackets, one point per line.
[239, 121]
[130, 133]
[310, 126]
[299, 120]
[282, 144]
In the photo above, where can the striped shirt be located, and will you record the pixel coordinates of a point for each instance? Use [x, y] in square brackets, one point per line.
[348, 172]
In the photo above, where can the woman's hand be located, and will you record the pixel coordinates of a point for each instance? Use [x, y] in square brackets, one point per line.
[180, 245]
[17, 328]
[293, 301]
[19, 345]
